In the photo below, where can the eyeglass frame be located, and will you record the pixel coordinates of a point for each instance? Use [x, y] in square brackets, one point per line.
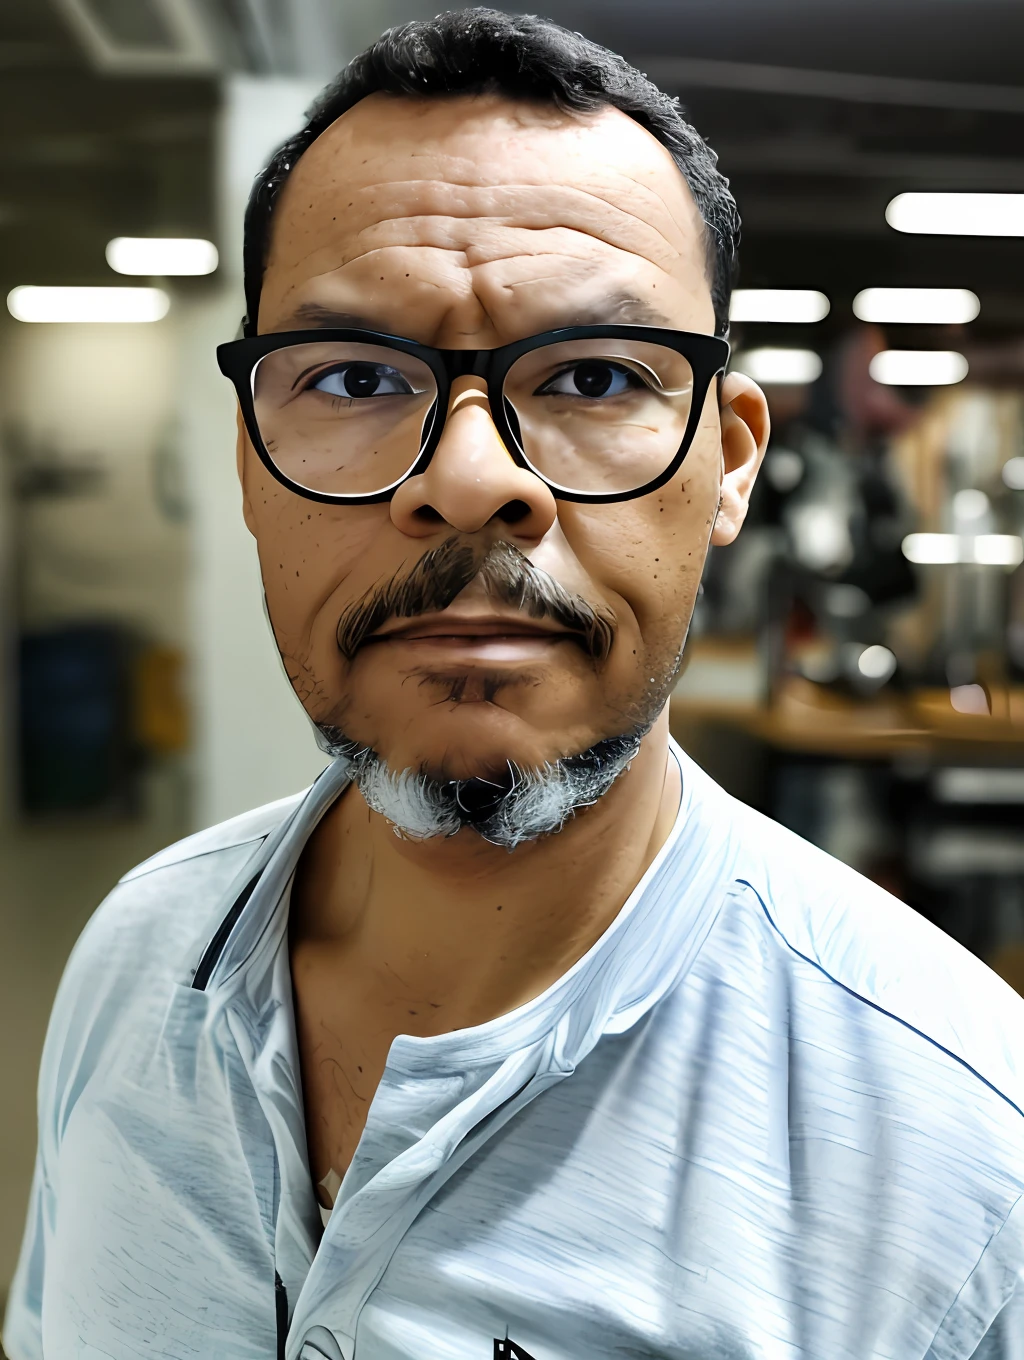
[707, 355]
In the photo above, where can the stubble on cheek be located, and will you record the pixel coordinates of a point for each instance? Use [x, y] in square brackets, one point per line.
[672, 550]
[305, 561]
[310, 689]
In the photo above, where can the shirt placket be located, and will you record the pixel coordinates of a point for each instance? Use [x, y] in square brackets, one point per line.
[373, 1215]
[328, 1286]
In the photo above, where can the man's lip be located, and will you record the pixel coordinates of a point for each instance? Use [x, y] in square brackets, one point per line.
[468, 629]
[470, 626]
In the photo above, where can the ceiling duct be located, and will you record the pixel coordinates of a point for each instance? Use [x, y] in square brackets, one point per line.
[142, 37]
[189, 37]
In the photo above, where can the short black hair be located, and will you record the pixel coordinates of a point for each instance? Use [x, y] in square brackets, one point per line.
[484, 51]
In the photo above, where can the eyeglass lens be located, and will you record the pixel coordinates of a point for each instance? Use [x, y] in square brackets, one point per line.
[594, 416]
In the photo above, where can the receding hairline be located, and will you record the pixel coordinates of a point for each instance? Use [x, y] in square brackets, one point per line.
[546, 114]
[524, 59]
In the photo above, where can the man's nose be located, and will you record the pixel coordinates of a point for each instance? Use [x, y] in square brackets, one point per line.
[472, 479]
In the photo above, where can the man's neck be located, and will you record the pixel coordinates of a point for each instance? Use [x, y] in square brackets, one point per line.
[463, 931]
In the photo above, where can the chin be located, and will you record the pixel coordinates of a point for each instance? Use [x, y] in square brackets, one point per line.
[480, 741]
[454, 726]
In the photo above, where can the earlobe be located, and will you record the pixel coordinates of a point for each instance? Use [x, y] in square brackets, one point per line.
[745, 429]
[241, 448]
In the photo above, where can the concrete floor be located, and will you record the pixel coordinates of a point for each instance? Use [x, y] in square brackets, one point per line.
[51, 879]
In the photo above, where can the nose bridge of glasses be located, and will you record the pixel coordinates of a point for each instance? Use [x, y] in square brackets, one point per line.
[467, 363]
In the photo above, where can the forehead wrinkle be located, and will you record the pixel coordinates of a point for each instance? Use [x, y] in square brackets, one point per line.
[333, 290]
[427, 212]
[532, 248]
[621, 230]
[476, 289]
[528, 244]
[470, 281]
[491, 239]
[445, 196]
[451, 174]
[444, 259]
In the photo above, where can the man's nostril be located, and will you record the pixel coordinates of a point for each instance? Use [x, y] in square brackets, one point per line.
[428, 515]
[513, 511]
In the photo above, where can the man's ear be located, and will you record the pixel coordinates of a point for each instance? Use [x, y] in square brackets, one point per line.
[241, 447]
[745, 428]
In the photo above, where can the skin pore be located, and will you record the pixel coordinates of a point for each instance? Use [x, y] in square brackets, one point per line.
[470, 222]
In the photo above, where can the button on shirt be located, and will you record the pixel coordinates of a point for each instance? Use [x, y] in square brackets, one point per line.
[770, 1113]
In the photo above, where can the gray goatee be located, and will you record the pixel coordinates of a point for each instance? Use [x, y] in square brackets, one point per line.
[514, 805]
[522, 805]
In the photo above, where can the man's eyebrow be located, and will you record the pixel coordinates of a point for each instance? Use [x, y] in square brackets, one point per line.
[621, 309]
[315, 316]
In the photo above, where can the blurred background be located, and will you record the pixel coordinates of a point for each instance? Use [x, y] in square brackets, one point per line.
[856, 664]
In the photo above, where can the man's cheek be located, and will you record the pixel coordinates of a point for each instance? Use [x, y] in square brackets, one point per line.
[307, 557]
[289, 586]
[316, 669]
[660, 566]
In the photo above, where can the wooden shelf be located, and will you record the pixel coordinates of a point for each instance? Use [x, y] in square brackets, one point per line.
[811, 719]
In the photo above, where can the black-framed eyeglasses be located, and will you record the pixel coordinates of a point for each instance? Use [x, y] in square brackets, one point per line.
[599, 413]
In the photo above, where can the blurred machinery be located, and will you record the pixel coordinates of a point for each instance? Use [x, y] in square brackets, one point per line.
[857, 669]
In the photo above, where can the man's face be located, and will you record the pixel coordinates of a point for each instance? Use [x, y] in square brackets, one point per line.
[471, 223]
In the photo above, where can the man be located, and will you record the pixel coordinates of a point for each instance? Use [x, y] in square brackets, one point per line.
[573, 1055]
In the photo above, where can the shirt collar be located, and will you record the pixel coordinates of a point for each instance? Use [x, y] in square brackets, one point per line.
[640, 956]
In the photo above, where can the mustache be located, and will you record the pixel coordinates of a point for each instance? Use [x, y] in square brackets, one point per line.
[506, 574]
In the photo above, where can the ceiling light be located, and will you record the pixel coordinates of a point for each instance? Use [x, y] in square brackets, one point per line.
[969, 699]
[958, 214]
[997, 550]
[986, 550]
[970, 504]
[918, 367]
[1013, 473]
[28, 303]
[779, 366]
[876, 663]
[847, 602]
[161, 255]
[920, 306]
[931, 548]
[793, 305]
[785, 469]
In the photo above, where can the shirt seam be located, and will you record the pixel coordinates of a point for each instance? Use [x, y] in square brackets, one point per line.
[141, 871]
[882, 1010]
[974, 1270]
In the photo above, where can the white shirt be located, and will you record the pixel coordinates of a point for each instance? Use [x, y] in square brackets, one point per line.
[771, 1113]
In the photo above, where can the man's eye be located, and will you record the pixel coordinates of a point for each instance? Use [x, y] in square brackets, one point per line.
[362, 380]
[592, 378]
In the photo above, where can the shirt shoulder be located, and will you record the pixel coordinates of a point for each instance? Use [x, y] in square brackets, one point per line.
[247, 827]
[881, 954]
[150, 931]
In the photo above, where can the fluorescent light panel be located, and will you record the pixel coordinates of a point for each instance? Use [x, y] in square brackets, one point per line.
[987, 550]
[918, 367]
[969, 699]
[957, 214]
[792, 305]
[783, 367]
[998, 550]
[161, 255]
[970, 503]
[103, 305]
[1013, 473]
[876, 663]
[917, 306]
